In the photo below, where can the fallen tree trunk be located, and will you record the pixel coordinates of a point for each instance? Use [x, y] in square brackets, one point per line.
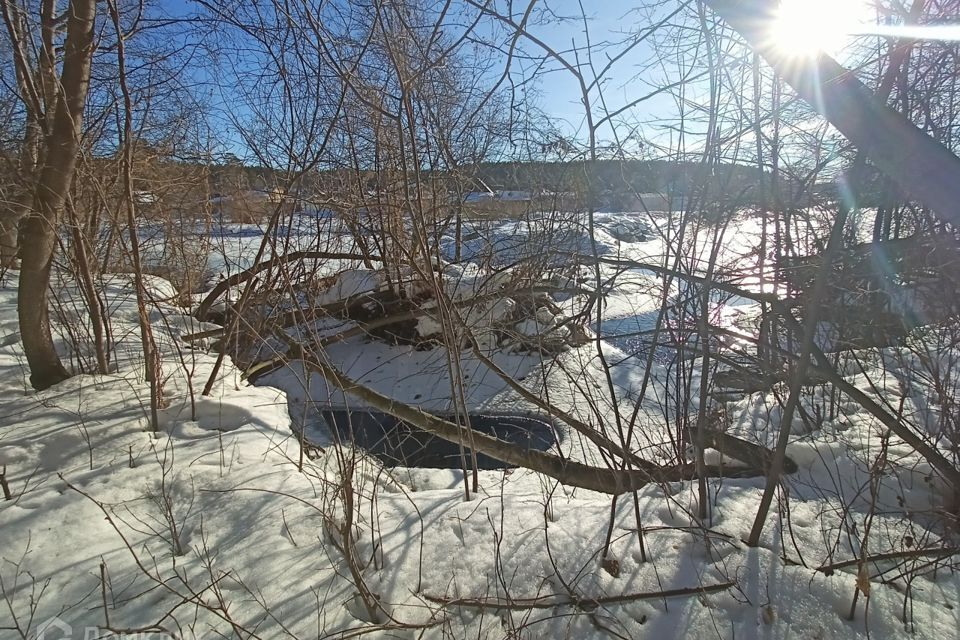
[920, 165]
[568, 472]
[585, 603]
[824, 367]
[203, 309]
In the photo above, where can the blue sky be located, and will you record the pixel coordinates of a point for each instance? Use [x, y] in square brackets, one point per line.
[610, 24]
[607, 22]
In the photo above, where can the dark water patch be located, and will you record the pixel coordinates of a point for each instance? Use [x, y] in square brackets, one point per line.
[398, 443]
[634, 336]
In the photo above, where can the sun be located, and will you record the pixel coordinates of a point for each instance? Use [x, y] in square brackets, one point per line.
[808, 27]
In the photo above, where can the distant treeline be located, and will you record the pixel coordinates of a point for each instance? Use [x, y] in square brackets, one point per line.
[611, 183]
[617, 182]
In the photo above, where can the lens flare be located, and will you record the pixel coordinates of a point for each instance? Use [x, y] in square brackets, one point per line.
[808, 27]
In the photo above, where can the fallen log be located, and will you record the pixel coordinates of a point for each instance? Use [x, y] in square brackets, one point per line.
[824, 367]
[740, 449]
[203, 309]
[585, 603]
[614, 481]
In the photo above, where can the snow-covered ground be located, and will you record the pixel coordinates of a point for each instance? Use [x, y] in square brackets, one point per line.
[220, 525]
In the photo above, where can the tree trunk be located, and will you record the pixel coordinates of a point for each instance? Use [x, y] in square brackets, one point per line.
[921, 166]
[38, 231]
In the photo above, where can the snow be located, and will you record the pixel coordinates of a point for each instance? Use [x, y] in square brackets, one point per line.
[349, 282]
[220, 524]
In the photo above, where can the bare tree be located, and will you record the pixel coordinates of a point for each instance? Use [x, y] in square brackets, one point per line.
[61, 98]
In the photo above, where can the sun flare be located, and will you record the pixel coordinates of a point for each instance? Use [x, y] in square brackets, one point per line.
[808, 27]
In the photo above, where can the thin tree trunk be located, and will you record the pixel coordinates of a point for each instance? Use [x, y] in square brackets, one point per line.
[151, 356]
[18, 209]
[29, 155]
[85, 280]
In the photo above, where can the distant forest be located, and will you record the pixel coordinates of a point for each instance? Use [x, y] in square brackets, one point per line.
[616, 183]
[612, 183]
